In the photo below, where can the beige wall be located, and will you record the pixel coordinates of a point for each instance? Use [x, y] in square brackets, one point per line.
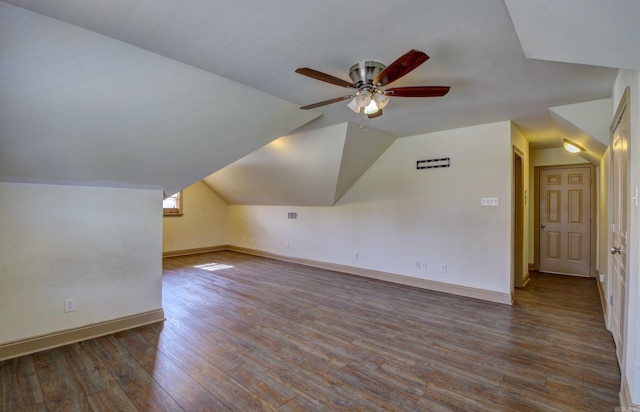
[554, 157]
[203, 223]
[98, 246]
[522, 145]
[395, 215]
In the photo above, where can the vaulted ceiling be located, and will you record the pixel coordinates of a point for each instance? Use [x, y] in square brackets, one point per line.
[166, 93]
[286, 171]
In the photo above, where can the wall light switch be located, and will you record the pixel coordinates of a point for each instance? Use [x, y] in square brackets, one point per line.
[490, 201]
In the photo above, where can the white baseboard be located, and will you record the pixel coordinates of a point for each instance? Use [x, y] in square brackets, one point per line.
[488, 295]
[626, 405]
[52, 340]
[603, 299]
[194, 251]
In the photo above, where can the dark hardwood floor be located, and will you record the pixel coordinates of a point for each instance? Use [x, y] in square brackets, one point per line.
[268, 335]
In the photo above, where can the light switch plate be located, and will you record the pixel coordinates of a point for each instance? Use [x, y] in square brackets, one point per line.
[490, 201]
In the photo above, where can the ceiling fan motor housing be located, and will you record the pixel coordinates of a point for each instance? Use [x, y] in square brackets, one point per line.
[362, 74]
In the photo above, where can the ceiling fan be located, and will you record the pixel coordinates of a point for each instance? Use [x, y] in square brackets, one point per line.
[367, 79]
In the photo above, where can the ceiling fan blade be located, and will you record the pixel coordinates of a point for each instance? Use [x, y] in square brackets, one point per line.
[418, 91]
[326, 102]
[376, 114]
[402, 66]
[314, 74]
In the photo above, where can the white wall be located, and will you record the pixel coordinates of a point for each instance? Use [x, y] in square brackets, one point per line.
[395, 215]
[203, 223]
[98, 246]
[631, 367]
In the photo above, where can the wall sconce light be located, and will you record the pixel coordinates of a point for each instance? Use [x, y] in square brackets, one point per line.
[571, 147]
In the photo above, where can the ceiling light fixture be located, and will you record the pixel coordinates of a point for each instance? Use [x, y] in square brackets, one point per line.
[353, 105]
[368, 79]
[364, 98]
[368, 103]
[571, 147]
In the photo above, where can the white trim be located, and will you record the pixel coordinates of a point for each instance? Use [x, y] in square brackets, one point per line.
[52, 340]
[109, 184]
[195, 251]
[626, 405]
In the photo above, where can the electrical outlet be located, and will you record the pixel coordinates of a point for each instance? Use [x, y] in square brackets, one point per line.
[356, 256]
[69, 305]
[443, 268]
[423, 265]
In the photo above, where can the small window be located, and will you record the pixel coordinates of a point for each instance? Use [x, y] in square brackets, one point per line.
[172, 206]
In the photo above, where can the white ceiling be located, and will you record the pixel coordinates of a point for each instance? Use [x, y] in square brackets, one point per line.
[593, 32]
[313, 168]
[78, 107]
[158, 70]
[472, 44]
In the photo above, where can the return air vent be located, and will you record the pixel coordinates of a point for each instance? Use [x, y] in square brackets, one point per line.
[433, 163]
[292, 215]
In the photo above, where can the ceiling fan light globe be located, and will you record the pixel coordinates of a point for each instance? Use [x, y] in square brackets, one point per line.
[364, 98]
[371, 108]
[381, 100]
[353, 105]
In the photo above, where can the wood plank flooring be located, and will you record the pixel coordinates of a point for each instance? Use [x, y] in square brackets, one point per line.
[275, 336]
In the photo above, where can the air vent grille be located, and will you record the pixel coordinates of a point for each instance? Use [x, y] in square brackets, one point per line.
[433, 163]
[292, 215]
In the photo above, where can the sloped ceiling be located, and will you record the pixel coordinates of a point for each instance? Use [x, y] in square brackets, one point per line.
[587, 125]
[76, 106]
[313, 168]
[594, 149]
[592, 32]
[472, 44]
[592, 117]
[362, 147]
[165, 93]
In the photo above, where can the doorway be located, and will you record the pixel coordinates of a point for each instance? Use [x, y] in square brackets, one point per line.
[619, 131]
[564, 219]
[520, 274]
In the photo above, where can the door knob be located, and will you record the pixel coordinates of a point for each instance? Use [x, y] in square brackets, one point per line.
[542, 226]
[615, 250]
